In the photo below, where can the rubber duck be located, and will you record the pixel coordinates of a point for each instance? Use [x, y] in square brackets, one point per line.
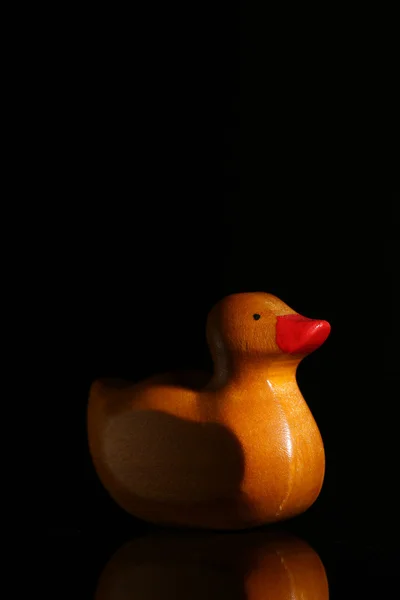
[253, 565]
[233, 450]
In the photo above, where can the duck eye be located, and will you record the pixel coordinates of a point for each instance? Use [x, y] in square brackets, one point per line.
[256, 317]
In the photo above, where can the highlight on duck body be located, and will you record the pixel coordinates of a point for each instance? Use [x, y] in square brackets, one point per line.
[233, 450]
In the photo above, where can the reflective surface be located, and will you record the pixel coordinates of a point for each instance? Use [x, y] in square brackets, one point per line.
[279, 564]
[254, 566]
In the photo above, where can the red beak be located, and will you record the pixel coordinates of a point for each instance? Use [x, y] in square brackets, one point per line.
[298, 335]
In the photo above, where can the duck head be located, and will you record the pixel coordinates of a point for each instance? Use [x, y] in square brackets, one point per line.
[258, 326]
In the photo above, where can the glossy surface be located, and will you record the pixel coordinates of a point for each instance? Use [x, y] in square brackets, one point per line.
[235, 450]
[252, 566]
[297, 334]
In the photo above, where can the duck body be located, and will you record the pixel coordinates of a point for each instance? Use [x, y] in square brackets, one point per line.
[229, 451]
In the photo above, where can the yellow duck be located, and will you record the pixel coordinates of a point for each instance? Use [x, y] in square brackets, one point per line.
[231, 451]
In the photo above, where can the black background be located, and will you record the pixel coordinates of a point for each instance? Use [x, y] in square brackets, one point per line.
[182, 164]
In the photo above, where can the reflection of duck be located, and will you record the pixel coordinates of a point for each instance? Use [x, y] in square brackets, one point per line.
[237, 450]
[252, 565]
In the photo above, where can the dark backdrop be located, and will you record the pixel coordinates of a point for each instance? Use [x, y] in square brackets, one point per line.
[181, 167]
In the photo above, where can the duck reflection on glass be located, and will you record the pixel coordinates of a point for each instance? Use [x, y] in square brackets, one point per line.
[247, 565]
[231, 451]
